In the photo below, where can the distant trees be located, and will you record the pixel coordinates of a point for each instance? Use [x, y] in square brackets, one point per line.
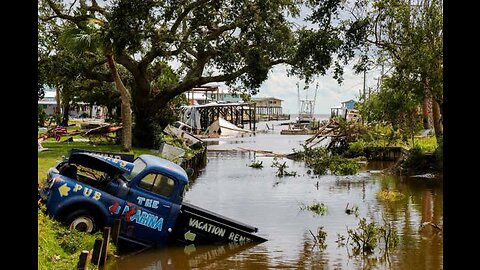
[408, 35]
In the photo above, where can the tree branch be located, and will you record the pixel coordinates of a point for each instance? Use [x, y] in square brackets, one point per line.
[217, 32]
[58, 12]
[218, 78]
[97, 8]
[182, 16]
[130, 64]
[104, 77]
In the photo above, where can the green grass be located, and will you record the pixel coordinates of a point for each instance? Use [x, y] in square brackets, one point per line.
[60, 248]
[50, 157]
[427, 144]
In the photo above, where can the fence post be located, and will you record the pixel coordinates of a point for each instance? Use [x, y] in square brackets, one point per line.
[116, 230]
[97, 249]
[83, 260]
[106, 240]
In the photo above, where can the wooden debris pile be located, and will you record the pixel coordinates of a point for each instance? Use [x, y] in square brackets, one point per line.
[103, 131]
[340, 133]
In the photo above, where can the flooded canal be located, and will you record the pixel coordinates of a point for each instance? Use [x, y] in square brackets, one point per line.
[228, 186]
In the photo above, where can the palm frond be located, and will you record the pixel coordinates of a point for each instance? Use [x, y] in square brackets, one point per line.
[79, 41]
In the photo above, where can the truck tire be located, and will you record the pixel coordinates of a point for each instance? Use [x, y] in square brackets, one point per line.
[82, 220]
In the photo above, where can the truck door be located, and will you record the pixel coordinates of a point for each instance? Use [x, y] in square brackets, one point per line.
[150, 208]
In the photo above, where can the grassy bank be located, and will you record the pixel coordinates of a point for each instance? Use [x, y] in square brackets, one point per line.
[58, 247]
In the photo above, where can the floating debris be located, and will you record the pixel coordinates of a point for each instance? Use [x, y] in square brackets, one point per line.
[390, 195]
[425, 175]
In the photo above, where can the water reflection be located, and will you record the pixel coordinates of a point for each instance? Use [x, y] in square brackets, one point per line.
[257, 197]
[187, 257]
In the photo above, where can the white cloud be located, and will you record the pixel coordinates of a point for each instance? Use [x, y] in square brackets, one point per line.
[330, 93]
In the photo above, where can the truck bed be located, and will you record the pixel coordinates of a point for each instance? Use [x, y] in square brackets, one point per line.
[200, 226]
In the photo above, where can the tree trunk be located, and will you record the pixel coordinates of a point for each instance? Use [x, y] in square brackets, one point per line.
[427, 116]
[127, 127]
[437, 122]
[126, 111]
[66, 110]
[143, 131]
[151, 115]
[57, 98]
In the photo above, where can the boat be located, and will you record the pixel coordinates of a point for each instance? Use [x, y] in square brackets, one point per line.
[184, 131]
[223, 128]
[306, 106]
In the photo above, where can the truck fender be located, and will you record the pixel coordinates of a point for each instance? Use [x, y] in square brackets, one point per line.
[97, 209]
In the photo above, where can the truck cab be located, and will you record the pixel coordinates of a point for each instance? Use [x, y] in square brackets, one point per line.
[90, 190]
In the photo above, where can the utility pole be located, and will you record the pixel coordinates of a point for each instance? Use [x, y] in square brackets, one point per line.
[364, 79]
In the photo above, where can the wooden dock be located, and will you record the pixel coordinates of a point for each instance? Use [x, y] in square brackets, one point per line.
[297, 132]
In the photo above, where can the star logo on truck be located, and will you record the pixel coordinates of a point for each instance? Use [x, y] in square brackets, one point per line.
[63, 190]
[190, 236]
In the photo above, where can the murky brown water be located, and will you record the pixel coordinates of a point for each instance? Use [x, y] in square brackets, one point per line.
[257, 197]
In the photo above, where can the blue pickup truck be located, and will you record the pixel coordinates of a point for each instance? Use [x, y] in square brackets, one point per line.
[89, 190]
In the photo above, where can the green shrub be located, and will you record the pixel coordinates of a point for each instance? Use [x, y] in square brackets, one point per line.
[415, 161]
[439, 156]
[320, 160]
[282, 168]
[390, 195]
[316, 207]
[355, 149]
[256, 164]
[55, 119]
[366, 237]
[320, 238]
[42, 116]
[343, 166]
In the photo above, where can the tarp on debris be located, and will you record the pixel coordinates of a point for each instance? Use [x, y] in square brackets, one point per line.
[191, 116]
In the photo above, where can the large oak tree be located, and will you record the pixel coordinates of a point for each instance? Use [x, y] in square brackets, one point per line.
[232, 41]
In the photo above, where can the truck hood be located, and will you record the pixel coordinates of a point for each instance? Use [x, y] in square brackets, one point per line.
[101, 163]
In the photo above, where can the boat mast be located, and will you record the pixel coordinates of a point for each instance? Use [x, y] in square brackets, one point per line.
[298, 92]
[314, 99]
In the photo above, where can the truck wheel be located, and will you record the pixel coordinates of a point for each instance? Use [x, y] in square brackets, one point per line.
[82, 220]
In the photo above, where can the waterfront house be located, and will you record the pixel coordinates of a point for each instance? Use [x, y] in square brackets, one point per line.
[349, 104]
[77, 109]
[268, 105]
[347, 111]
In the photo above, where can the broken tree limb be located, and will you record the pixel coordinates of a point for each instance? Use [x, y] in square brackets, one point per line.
[319, 132]
[431, 224]
[105, 129]
[322, 137]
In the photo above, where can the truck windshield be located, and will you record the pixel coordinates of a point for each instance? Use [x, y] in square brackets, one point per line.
[138, 166]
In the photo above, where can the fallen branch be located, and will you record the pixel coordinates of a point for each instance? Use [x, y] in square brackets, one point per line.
[431, 224]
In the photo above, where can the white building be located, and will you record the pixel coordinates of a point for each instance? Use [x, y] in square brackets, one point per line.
[80, 109]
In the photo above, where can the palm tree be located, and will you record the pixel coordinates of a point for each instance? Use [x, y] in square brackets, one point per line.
[91, 38]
